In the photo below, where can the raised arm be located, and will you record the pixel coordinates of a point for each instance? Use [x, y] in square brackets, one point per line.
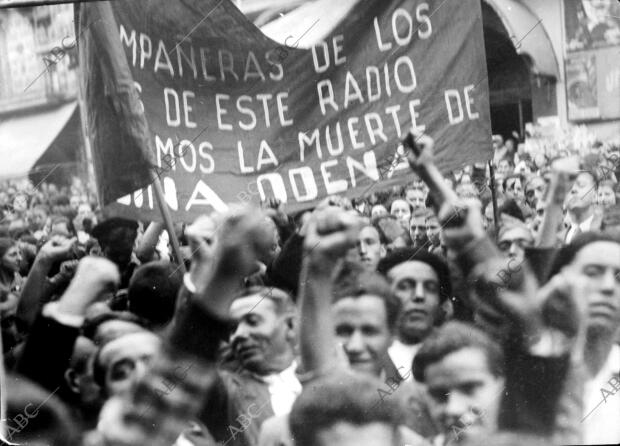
[183, 377]
[148, 243]
[330, 234]
[50, 343]
[36, 286]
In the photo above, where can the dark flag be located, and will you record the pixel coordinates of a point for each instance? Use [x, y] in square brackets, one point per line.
[116, 125]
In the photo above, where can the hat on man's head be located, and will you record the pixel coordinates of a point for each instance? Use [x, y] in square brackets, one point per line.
[103, 230]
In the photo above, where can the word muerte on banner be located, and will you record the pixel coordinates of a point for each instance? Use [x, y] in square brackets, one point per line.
[230, 111]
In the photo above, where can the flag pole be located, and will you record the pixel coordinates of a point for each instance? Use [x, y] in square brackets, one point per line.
[494, 197]
[168, 223]
[127, 103]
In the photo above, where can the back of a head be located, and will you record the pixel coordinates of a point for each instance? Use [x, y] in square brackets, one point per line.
[343, 397]
[36, 416]
[510, 207]
[452, 337]
[153, 291]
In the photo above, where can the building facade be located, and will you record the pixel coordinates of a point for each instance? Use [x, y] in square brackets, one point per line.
[39, 66]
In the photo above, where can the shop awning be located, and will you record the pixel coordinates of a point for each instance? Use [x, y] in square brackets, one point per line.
[25, 138]
[528, 35]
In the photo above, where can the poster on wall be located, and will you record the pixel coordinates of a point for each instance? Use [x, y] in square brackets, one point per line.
[591, 24]
[581, 87]
[608, 69]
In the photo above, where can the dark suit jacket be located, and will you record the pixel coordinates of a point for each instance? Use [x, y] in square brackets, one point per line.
[235, 396]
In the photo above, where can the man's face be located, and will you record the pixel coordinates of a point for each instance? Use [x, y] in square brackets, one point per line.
[535, 191]
[369, 247]
[347, 434]
[262, 337]
[503, 168]
[361, 326]
[417, 286]
[20, 203]
[582, 194]
[416, 198]
[489, 219]
[417, 231]
[74, 202]
[597, 266]
[400, 209]
[378, 210]
[513, 242]
[498, 142]
[127, 359]
[12, 258]
[464, 395]
[60, 229]
[514, 189]
[38, 218]
[432, 230]
[606, 196]
[538, 218]
[601, 9]
[84, 209]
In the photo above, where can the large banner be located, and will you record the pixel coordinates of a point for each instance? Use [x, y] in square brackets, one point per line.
[237, 117]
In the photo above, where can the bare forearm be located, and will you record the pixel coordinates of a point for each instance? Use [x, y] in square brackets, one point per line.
[219, 292]
[549, 226]
[146, 248]
[316, 329]
[33, 291]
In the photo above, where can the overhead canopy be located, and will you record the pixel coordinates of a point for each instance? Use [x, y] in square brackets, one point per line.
[24, 139]
[528, 35]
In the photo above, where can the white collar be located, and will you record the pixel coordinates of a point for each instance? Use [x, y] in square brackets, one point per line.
[286, 376]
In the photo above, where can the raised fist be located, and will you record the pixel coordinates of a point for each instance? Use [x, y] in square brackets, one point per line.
[330, 233]
[244, 236]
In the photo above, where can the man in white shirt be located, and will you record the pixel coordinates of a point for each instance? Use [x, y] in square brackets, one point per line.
[422, 282]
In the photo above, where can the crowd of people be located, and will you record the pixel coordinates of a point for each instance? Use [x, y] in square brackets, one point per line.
[479, 308]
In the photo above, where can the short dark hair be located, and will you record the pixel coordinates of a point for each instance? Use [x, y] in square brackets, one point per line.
[90, 326]
[421, 212]
[60, 200]
[355, 281]
[515, 177]
[400, 199]
[341, 397]
[452, 337]
[510, 207]
[153, 290]
[567, 253]
[440, 267]
[281, 299]
[383, 239]
[591, 174]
